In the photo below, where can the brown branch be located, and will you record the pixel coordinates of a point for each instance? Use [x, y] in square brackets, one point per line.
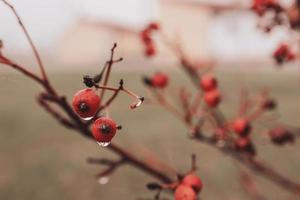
[258, 167]
[65, 122]
[35, 51]
[108, 68]
[250, 186]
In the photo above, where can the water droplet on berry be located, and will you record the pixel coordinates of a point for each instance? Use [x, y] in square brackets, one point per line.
[103, 180]
[87, 118]
[103, 144]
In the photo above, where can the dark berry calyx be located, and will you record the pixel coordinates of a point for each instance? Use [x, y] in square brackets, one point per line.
[147, 81]
[105, 129]
[88, 81]
[153, 186]
[83, 107]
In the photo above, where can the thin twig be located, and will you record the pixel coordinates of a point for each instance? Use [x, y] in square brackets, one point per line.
[34, 49]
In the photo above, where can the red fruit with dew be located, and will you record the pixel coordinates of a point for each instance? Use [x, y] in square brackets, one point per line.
[86, 103]
[104, 129]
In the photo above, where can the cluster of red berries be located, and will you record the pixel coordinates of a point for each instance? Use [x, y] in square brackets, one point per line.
[86, 103]
[158, 80]
[260, 7]
[147, 40]
[283, 54]
[242, 127]
[189, 188]
[209, 85]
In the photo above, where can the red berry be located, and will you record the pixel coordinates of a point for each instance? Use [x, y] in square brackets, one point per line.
[244, 144]
[193, 181]
[154, 26]
[160, 80]
[241, 126]
[150, 49]
[208, 83]
[86, 103]
[269, 104]
[283, 54]
[104, 129]
[145, 36]
[281, 136]
[183, 192]
[212, 98]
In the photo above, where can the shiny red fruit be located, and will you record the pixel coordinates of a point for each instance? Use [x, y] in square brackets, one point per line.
[104, 129]
[212, 98]
[193, 181]
[241, 126]
[160, 80]
[208, 83]
[183, 192]
[86, 103]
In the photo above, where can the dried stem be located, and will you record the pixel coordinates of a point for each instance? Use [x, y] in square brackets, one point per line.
[34, 49]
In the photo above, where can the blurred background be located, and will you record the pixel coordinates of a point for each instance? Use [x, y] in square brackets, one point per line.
[42, 160]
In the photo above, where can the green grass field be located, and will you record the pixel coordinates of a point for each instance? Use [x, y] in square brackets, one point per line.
[42, 160]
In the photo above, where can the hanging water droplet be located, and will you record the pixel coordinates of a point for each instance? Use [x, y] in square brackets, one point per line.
[103, 144]
[138, 103]
[87, 118]
[103, 180]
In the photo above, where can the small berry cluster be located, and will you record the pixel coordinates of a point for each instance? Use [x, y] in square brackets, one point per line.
[260, 7]
[146, 37]
[209, 85]
[187, 187]
[87, 103]
[283, 54]
[158, 80]
[270, 14]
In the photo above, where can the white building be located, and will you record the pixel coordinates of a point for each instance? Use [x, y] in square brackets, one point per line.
[80, 32]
